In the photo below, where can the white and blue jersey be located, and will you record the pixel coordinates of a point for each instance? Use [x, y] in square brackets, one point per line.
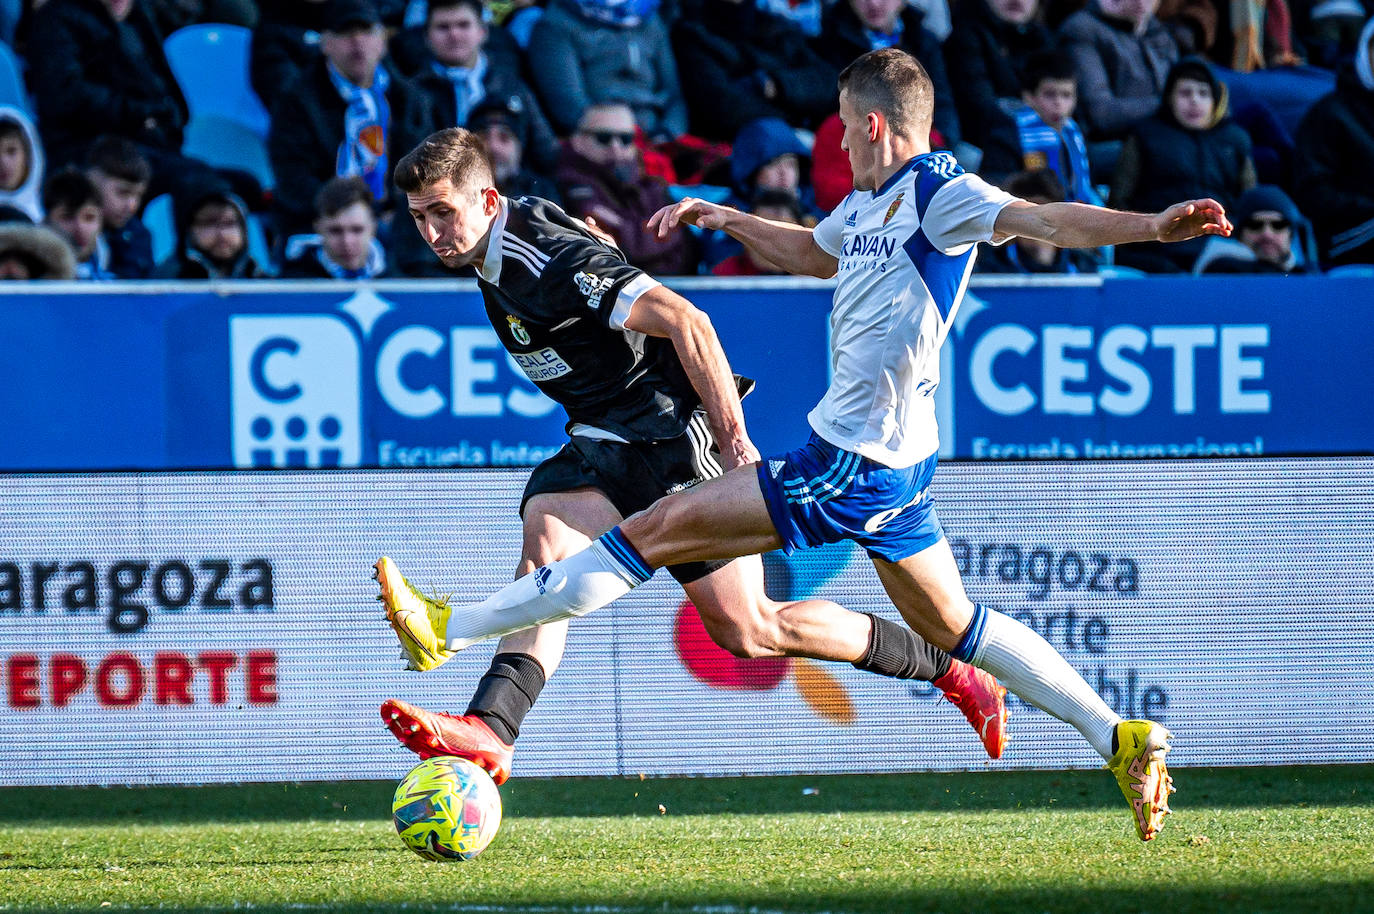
[905, 253]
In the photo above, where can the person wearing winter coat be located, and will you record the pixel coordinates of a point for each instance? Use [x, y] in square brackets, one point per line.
[1335, 161]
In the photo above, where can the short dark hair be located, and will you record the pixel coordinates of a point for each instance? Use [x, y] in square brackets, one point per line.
[1038, 182]
[69, 189]
[338, 194]
[453, 154]
[893, 82]
[1042, 65]
[477, 7]
[118, 157]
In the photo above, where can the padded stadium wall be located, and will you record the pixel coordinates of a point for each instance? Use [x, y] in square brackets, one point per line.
[193, 627]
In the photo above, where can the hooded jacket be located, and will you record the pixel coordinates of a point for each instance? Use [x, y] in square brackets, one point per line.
[48, 255]
[1163, 162]
[1334, 161]
[187, 262]
[28, 196]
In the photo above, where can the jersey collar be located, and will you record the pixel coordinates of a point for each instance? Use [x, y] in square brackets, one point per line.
[491, 264]
[901, 173]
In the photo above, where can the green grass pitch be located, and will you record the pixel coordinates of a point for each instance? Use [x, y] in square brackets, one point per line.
[1251, 840]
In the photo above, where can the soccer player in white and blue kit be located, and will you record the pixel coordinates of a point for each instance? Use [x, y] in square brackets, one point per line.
[903, 245]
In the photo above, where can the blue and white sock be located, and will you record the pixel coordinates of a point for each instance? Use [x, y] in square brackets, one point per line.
[1029, 666]
[603, 572]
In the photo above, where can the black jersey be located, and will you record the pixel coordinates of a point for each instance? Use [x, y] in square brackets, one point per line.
[557, 298]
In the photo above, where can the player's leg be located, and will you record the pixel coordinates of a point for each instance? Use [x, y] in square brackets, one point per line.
[927, 590]
[722, 518]
[555, 525]
[740, 617]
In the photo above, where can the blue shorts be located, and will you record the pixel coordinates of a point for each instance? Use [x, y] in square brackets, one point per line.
[822, 494]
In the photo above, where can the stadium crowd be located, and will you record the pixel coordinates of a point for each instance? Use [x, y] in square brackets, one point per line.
[614, 107]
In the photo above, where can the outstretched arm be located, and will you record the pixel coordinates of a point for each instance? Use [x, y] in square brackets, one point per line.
[662, 312]
[789, 246]
[1077, 225]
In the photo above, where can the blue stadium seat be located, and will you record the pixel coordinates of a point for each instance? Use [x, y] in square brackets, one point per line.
[210, 63]
[161, 224]
[225, 143]
[12, 90]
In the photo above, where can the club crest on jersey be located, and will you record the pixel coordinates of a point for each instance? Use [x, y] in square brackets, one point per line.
[892, 210]
[517, 330]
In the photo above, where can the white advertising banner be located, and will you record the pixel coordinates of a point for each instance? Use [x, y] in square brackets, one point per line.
[198, 627]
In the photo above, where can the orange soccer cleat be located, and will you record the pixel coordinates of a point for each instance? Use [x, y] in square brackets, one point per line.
[981, 697]
[431, 733]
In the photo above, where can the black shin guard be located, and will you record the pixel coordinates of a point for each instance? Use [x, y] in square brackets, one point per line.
[506, 693]
[895, 650]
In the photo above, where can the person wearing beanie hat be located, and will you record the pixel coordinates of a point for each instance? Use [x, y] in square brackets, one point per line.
[1188, 149]
[1335, 157]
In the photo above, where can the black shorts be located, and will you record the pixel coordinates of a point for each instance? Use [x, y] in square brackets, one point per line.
[634, 475]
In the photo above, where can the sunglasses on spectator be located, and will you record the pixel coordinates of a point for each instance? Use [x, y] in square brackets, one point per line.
[1276, 225]
[607, 137]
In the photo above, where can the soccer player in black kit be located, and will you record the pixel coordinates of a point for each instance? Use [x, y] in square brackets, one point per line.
[652, 408]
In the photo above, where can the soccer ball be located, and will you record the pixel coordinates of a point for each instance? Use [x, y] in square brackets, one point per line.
[446, 808]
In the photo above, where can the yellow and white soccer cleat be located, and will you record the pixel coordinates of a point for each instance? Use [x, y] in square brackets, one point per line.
[1141, 773]
[419, 621]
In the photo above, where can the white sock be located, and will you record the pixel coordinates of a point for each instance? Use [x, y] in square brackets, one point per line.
[1029, 666]
[603, 572]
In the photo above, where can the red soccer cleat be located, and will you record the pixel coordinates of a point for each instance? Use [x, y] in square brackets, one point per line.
[980, 696]
[431, 733]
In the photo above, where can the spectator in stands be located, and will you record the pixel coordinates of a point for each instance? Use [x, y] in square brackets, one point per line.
[1335, 162]
[1122, 54]
[345, 245]
[285, 43]
[460, 75]
[212, 238]
[1266, 221]
[73, 211]
[601, 176]
[97, 67]
[854, 27]
[1027, 255]
[120, 174]
[21, 163]
[585, 52]
[348, 114]
[744, 64]
[1042, 132]
[984, 55]
[503, 124]
[775, 205]
[29, 251]
[768, 155]
[1189, 148]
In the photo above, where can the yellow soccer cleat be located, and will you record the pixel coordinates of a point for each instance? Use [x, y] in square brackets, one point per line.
[419, 621]
[1140, 772]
